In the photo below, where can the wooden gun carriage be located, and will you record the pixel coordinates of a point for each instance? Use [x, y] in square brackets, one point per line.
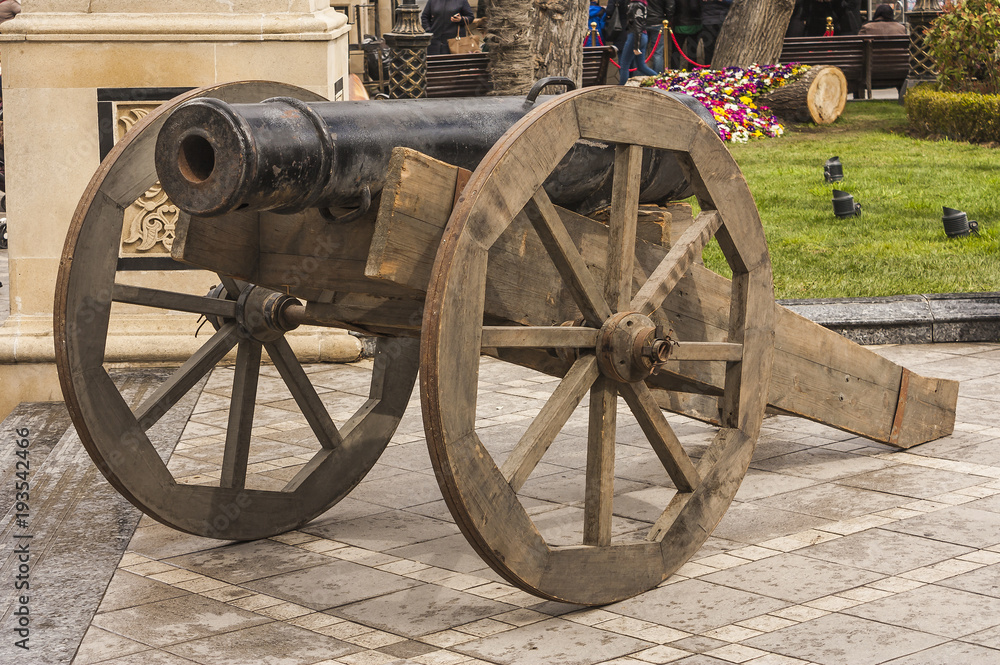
[447, 263]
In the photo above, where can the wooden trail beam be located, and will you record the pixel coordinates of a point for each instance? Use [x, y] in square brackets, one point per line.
[817, 374]
[371, 274]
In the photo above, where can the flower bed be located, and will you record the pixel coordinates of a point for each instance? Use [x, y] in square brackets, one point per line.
[730, 93]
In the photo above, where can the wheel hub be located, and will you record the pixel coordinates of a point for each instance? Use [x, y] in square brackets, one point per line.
[630, 347]
[260, 312]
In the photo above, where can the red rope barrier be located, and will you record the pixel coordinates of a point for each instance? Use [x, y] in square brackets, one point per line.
[684, 55]
[600, 41]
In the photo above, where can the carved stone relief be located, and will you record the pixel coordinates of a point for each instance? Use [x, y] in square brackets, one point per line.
[148, 227]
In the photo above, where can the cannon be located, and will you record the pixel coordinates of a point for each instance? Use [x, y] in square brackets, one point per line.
[365, 226]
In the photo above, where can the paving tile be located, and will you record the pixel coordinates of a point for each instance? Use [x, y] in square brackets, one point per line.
[912, 481]
[552, 642]
[838, 639]
[695, 606]
[758, 484]
[243, 562]
[410, 488]
[151, 657]
[274, 643]
[128, 590]
[752, 523]
[99, 644]
[385, 530]
[984, 580]
[932, 609]
[331, 584]
[832, 501]
[820, 464]
[950, 653]
[792, 578]
[176, 620]
[698, 644]
[883, 551]
[960, 525]
[452, 552]
[424, 609]
[701, 659]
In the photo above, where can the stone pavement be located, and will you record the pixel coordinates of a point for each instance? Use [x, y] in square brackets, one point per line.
[836, 551]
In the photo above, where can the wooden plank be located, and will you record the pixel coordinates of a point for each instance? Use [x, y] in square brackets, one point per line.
[546, 426]
[241, 408]
[228, 244]
[621, 227]
[178, 302]
[564, 254]
[600, 488]
[188, 374]
[539, 337]
[706, 351]
[661, 436]
[676, 263]
[304, 393]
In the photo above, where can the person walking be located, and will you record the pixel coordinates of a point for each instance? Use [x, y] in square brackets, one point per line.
[635, 42]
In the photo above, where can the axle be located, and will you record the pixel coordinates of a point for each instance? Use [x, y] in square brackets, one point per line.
[286, 155]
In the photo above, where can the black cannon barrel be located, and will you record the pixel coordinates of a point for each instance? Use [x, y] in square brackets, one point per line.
[286, 155]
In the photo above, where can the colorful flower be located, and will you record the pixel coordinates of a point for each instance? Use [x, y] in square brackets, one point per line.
[729, 95]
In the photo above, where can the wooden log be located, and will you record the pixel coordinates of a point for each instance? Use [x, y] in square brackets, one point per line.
[817, 373]
[818, 96]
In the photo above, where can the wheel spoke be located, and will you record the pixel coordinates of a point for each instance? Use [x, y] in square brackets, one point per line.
[237, 453]
[178, 302]
[539, 337]
[233, 286]
[676, 263]
[549, 421]
[305, 395]
[621, 228]
[707, 351]
[567, 259]
[188, 374]
[600, 463]
[661, 436]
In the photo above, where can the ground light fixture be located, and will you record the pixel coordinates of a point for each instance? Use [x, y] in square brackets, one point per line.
[844, 205]
[957, 223]
[833, 170]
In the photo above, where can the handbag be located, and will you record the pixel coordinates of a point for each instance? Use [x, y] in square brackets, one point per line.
[468, 44]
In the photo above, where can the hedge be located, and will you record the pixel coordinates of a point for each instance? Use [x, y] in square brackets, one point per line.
[960, 116]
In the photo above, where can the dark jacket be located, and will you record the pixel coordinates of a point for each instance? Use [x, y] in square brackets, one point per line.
[713, 12]
[436, 18]
[687, 12]
[658, 11]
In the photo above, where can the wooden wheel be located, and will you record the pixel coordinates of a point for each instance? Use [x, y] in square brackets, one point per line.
[616, 347]
[247, 318]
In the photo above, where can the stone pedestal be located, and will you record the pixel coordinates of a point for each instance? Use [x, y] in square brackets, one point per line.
[76, 74]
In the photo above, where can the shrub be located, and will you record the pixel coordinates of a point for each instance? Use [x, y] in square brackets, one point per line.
[960, 116]
[965, 45]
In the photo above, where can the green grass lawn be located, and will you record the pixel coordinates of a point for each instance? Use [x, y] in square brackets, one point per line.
[898, 244]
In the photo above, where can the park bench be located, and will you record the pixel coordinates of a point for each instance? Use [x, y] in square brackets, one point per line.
[467, 74]
[868, 62]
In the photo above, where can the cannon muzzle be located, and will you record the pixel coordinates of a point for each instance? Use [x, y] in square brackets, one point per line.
[286, 155]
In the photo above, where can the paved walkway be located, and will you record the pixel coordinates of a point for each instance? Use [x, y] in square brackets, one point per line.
[836, 551]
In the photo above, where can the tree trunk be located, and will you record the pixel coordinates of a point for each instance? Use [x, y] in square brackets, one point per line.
[558, 28]
[511, 64]
[819, 95]
[752, 33]
[531, 39]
